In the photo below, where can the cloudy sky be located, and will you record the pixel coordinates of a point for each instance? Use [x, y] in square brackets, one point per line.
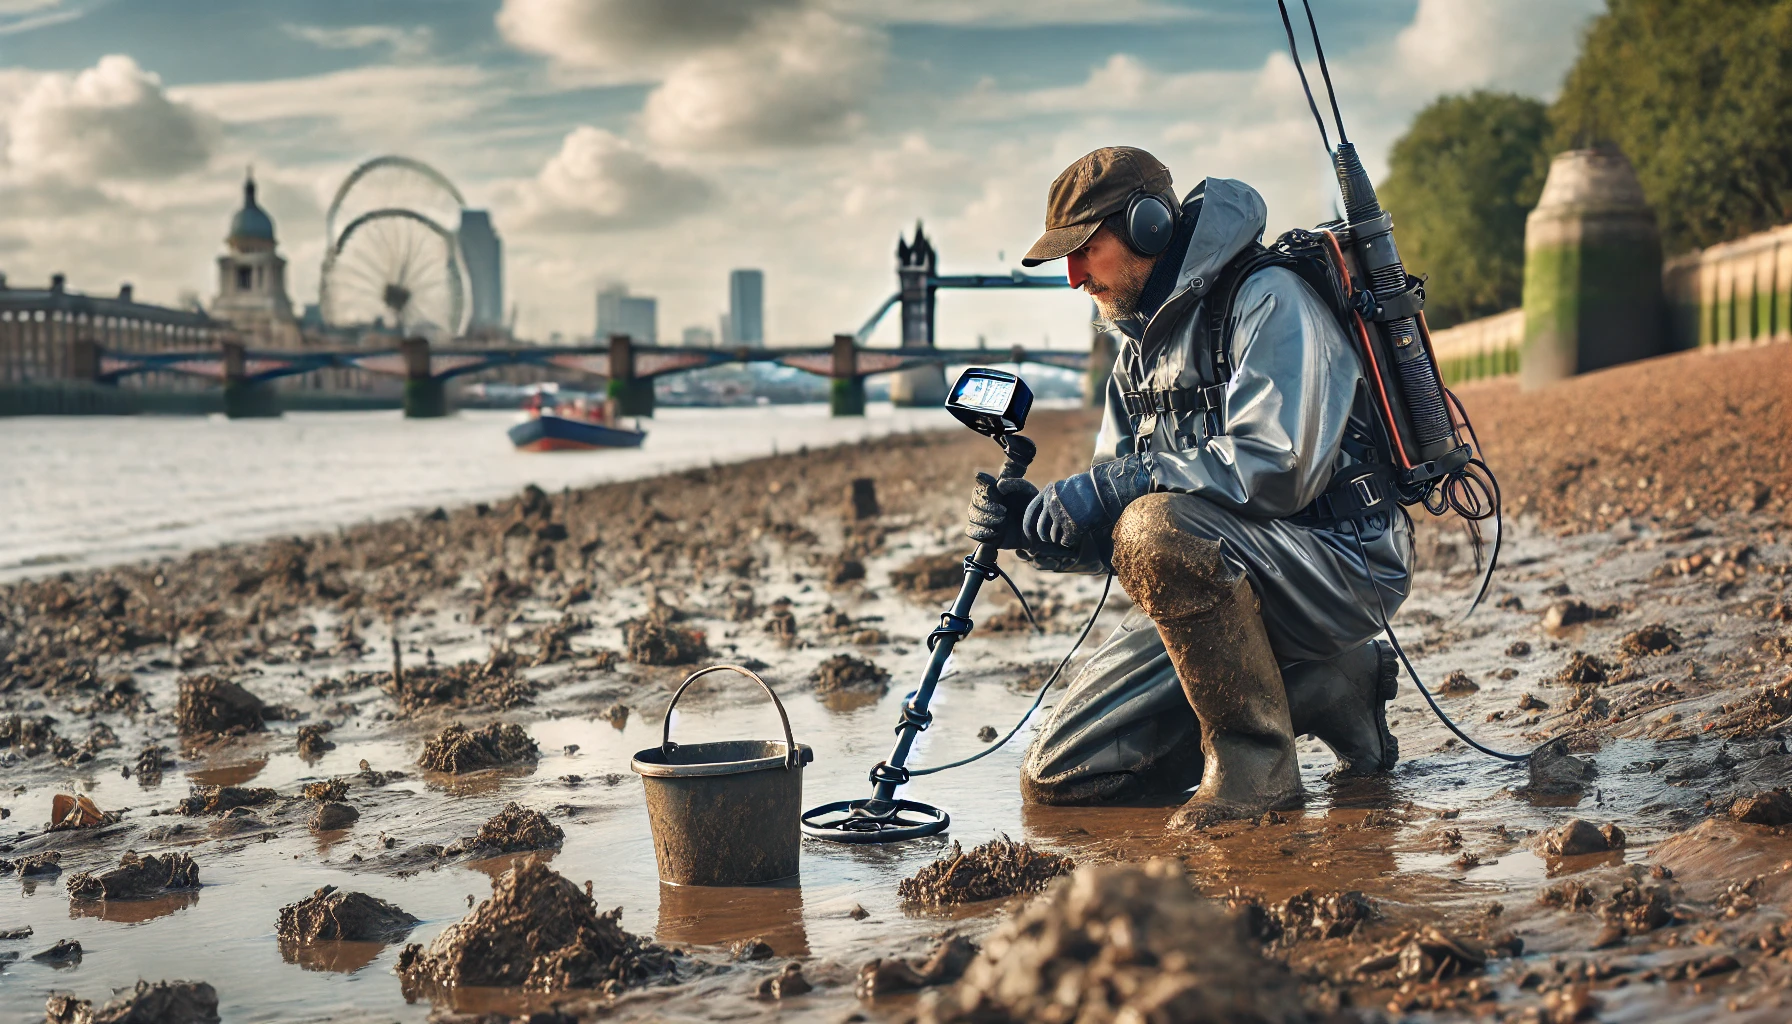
[663, 142]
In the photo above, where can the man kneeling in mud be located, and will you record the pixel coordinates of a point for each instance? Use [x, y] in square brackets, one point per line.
[1202, 500]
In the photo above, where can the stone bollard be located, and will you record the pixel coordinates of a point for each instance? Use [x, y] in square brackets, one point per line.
[863, 498]
[632, 396]
[425, 395]
[846, 388]
[244, 398]
[1592, 270]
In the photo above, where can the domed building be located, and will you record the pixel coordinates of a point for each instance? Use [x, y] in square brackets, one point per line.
[252, 279]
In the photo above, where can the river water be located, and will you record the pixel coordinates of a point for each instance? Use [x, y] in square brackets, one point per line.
[81, 491]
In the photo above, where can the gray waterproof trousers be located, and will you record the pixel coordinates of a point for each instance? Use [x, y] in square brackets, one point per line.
[1124, 729]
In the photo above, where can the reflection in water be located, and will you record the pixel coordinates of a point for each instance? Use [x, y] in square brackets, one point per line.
[702, 915]
[134, 911]
[228, 774]
[849, 700]
[495, 866]
[480, 783]
[339, 956]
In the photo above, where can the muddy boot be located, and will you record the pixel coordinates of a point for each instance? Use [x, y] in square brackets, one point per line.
[1207, 615]
[1344, 702]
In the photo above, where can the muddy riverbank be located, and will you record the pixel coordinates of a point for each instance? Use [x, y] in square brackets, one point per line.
[1653, 636]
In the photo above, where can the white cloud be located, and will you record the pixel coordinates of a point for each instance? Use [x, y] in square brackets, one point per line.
[397, 103]
[600, 34]
[1520, 45]
[403, 43]
[599, 181]
[799, 79]
[112, 120]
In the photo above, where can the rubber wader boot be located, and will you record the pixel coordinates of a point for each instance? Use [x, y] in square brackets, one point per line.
[1344, 702]
[1208, 617]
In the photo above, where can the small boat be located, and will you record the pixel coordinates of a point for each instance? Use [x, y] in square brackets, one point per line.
[569, 423]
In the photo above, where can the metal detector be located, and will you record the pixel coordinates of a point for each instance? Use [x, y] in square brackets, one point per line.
[993, 403]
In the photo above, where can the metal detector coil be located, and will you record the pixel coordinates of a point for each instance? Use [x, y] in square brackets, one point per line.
[991, 402]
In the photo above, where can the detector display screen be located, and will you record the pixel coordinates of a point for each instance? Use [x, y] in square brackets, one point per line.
[984, 394]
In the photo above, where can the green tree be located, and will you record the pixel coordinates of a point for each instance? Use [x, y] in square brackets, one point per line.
[1698, 94]
[1459, 184]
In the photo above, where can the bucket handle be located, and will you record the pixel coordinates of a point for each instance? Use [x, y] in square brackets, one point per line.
[791, 758]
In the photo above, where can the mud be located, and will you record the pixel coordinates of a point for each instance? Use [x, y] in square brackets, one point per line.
[136, 878]
[330, 914]
[1121, 942]
[457, 749]
[211, 706]
[999, 868]
[538, 931]
[489, 683]
[514, 829]
[163, 1002]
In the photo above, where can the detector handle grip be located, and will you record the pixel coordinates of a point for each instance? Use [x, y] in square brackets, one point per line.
[1021, 451]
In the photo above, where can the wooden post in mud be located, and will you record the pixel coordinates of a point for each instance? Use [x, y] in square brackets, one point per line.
[245, 398]
[846, 389]
[633, 397]
[425, 395]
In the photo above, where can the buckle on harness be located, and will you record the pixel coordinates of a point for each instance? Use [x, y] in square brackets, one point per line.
[1369, 495]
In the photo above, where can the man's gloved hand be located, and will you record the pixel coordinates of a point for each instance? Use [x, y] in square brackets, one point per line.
[1087, 504]
[996, 509]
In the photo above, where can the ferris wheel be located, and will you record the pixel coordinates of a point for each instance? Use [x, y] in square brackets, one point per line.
[391, 257]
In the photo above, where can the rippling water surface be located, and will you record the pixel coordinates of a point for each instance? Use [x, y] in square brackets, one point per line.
[80, 491]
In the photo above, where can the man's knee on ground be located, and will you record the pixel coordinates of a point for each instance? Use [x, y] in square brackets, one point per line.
[1168, 572]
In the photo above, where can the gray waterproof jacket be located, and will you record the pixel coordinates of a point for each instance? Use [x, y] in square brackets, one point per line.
[1293, 388]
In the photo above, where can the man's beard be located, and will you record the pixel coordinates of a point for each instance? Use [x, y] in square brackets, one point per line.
[1119, 298]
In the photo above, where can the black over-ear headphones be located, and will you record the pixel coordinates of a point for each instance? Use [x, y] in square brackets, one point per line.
[1150, 221]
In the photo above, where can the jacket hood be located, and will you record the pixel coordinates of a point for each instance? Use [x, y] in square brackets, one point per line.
[1233, 216]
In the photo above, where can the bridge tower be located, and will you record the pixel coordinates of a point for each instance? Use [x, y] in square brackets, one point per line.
[916, 269]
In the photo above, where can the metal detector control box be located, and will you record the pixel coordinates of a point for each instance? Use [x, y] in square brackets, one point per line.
[992, 402]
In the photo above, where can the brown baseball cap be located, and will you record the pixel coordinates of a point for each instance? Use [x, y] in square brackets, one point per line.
[1097, 185]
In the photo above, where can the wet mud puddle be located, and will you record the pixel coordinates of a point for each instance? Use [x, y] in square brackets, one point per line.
[1447, 841]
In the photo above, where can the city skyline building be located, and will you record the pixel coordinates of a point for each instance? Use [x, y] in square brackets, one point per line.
[252, 278]
[698, 336]
[618, 312]
[483, 253]
[746, 308]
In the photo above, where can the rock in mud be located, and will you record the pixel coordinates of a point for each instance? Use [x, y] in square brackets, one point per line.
[33, 865]
[150, 762]
[65, 951]
[457, 749]
[844, 673]
[332, 816]
[29, 737]
[785, 984]
[754, 948]
[514, 829]
[164, 1002]
[655, 639]
[1304, 915]
[863, 498]
[1436, 956]
[1120, 942]
[1458, 684]
[1772, 808]
[944, 964]
[1579, 837]
[541, 932]
[210, 706]
[311, 739]
[929, 575]
[1583, 669]
[331, 914]
[213, 799]
[136, 878]
[1556, 772]
[997, 869]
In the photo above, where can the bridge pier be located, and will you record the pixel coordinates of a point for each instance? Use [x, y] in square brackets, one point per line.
[425, 395]
[633, 396]
[846, 389]
[244, 398]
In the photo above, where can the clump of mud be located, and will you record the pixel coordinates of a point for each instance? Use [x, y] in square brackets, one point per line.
[457, 749]
[330, 914]
[946, 963]
[514, 829]
[136, 878]
[1556, 772]
[845, 674]
[215, 799]
[332, 816]
[656, 639]
[211, 706]
[1579, 837]
[330, 791]
[1304, 915]
[1654, 638]
[163, 1002]
[929, 577]
[311, 739]
[538, 931]
[33, 865]
[1583, 669]
[995, 870]
[1772, 807]
[1120, 942]
[491, 683]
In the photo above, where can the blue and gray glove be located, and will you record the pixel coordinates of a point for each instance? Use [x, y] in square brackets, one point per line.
[1088, 504]
[996, 509]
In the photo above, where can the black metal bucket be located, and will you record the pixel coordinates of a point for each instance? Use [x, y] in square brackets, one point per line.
[725, 813]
